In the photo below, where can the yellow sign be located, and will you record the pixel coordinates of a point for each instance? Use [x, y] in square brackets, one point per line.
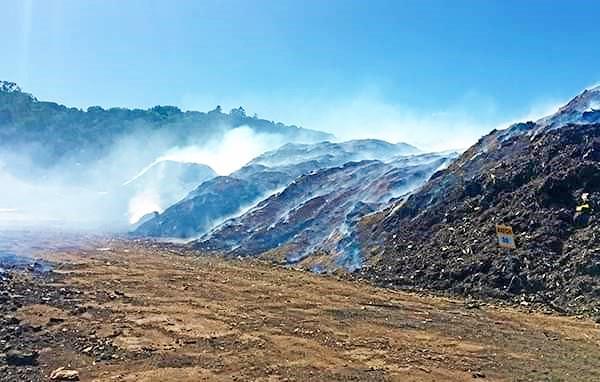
[583, 207]
[506, 238]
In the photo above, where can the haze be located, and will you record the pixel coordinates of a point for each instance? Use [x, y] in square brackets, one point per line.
[386, 69]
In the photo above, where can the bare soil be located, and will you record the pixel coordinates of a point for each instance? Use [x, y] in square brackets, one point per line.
[133, 311]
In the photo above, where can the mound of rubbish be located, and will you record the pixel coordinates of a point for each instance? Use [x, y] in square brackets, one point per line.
[543, 180]
[225, 197]
[317, 213]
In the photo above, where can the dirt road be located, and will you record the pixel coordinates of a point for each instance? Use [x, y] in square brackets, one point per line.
[117, 311]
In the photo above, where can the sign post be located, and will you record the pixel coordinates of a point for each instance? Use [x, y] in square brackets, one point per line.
[506, 238]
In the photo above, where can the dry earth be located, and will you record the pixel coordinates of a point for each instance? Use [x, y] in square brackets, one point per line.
[131, 311]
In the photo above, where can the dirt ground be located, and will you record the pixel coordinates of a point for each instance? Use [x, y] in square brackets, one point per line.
[130, 311]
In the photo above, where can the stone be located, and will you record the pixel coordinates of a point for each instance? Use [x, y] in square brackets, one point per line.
[62, 374]
[21, 358]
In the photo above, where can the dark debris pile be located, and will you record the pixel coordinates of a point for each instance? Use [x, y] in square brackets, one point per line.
[22, 344]
[547, 188]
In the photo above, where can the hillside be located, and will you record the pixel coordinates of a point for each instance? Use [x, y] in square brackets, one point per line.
[50, 131]
[543, 179]
[107, 168]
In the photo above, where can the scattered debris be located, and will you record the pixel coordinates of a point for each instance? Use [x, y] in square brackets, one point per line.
[293, 328]
[21, 358]
[62, 374]
[478, 374]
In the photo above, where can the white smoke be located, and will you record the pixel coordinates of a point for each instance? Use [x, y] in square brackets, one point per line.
[143, 203]
[237, 148]
[224, 156]
[108, 193]
[367, 113]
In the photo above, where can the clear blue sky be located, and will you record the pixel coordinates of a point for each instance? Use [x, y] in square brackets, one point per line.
[481, 61]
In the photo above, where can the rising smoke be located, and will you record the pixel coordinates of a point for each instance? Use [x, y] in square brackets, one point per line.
[111, 192]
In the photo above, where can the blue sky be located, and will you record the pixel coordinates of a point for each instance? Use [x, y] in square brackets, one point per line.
[436, 73]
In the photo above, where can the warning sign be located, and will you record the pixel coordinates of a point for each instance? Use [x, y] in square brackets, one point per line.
[506, 238]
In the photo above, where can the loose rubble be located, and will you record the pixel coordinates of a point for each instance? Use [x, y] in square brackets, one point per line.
[22, 344]
[62, 374]
[547, 188]
[147, 311]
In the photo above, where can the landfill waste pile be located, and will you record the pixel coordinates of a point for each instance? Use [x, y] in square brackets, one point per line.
[543, 182]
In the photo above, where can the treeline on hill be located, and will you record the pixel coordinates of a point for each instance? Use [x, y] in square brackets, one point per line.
[51, 131]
